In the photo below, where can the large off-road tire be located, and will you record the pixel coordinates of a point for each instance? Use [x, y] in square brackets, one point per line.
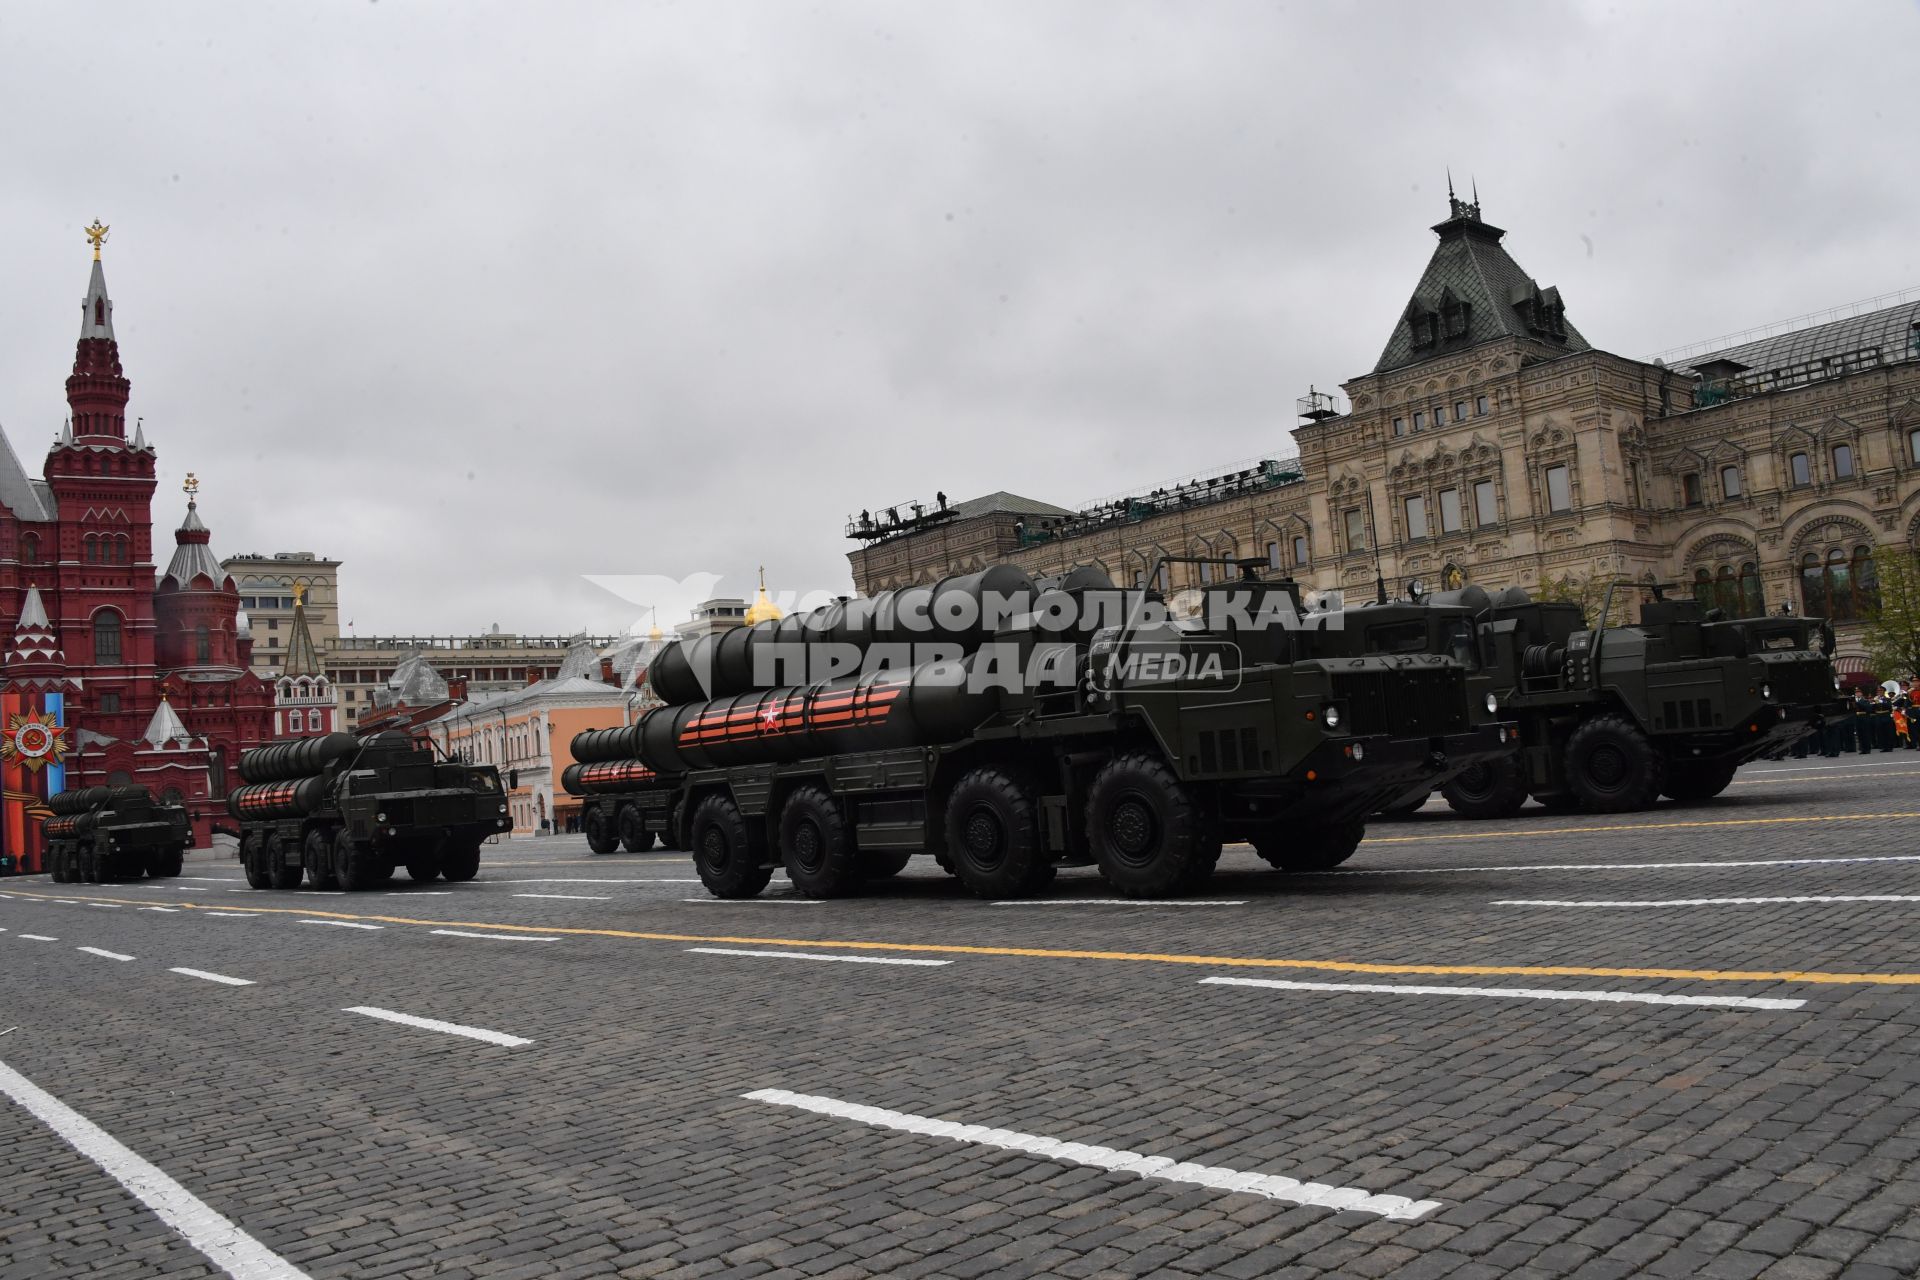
[423, 872]
[1691, 781]
[884, 864]
[601, 836]
[354, 865]
[1612, 767]
[272, 858]
[252, 863]
[993, 836]
[1150, 836]
[91, 871]
[166, 862]
[634, 836]
[1309, 846]
[816, 846]
[459, 863]
[1495, 789]
[57, 865]
[729, 853]
[317, 858]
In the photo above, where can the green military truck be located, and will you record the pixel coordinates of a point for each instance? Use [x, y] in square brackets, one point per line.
[113, 833]
[346, 811]
[1613, 717]
[1139, 748]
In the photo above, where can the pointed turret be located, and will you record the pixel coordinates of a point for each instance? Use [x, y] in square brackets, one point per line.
[97, 390]
[302, 658]
[193, 554]
[1472, 292]
[34, 658]
[165, 729]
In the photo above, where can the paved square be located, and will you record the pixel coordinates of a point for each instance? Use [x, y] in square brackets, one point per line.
[1677, 1043]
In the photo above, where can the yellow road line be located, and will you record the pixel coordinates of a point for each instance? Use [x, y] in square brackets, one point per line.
[1485, 831]
[1137, 957]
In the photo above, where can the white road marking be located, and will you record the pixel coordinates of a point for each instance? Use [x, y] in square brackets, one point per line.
[417, 893]
[1273, 1186]
[1710, 902]
[795, 902]
[169, 910]
[210, 879]
[492, 937]
[809, 955]
[342, 924]
[622, 880]
[434, 1024]
[104, 955]
[571, 897]
[221, 1240]
[214, 977]
[1117, 902]
[1614, 866]
[230, 915]
[182, 888]
[1831, 768]
[36, 937]
[110, 906]
[66, 902]
[1514, 993]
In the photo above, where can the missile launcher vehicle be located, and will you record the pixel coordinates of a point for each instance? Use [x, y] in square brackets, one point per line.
[1079, 725]
[345, 811]
[113, 833]
[1613, 717]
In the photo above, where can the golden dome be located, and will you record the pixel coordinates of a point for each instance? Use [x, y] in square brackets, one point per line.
[763, 609]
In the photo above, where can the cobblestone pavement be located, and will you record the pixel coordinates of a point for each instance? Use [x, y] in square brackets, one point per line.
[1738, 1101]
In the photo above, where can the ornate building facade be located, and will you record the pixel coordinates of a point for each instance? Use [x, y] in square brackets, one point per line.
[146, 674]
[1492, 443]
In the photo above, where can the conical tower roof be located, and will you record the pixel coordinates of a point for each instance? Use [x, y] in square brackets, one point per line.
[165, 729]
[302, 659]
[193, 555]
[34, 657]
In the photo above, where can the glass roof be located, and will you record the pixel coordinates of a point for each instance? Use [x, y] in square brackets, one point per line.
[1892, 329]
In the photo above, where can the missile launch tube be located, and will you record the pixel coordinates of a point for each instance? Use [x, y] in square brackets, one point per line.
[301, 758]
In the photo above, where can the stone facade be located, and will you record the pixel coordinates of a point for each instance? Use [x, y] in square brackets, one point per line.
[1491, 444]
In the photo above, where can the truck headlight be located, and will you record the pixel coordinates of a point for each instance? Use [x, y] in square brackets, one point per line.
[1493, 704]
[1766, 691]
[1331, 717]
[379, 817]
[503, 808]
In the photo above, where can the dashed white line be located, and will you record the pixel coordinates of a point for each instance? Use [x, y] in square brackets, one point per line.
[214, 977]
[66, 902]
[810, 955]
[36, 937]
[183, 888]
[434, 1024]
[492, 937]
[1708, 902]
[417, 893]
[1272, 1186]
[169, 910]
[104, 955]
[1117, 902]
[342, 924]
[229, 915]
[110, 906]
[571, 897]
[1610, 866]
[1514, 993]
[209, 879]
[222, 1241]
[742, 902]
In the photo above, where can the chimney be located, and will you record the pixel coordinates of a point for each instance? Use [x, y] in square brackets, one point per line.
[456, 689]
[606, 671]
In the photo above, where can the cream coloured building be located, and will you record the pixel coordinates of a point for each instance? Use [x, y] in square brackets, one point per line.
[1492, 443]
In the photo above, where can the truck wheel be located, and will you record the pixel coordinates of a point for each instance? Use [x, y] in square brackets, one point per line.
[1148, 835]
[353, 866]
[1612, 767]
[601, 837]
[1690, 781]
[317, 857]
[458, 863]
[730, 861]
[166, 862]
[993, 836]
[252, 863]
[884, 865]
[634, 836]
[279, 875]
[1313, 847]
[816, 848]
[57, 865]
[90, 869]
[1495, 789]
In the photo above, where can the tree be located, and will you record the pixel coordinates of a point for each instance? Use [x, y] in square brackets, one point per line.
[1590, 594]
[1892, 636]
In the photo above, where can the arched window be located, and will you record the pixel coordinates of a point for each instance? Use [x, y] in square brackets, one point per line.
[30, 549]
[313, 720]
[1800, 467]
[1703, 587]
[1729, 482]
[1842, 461]
[106, 636]
[1843, 587]
[1752, 602]
[202, 646]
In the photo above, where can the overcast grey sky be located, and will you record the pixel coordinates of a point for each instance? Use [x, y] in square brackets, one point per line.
[481, 298]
